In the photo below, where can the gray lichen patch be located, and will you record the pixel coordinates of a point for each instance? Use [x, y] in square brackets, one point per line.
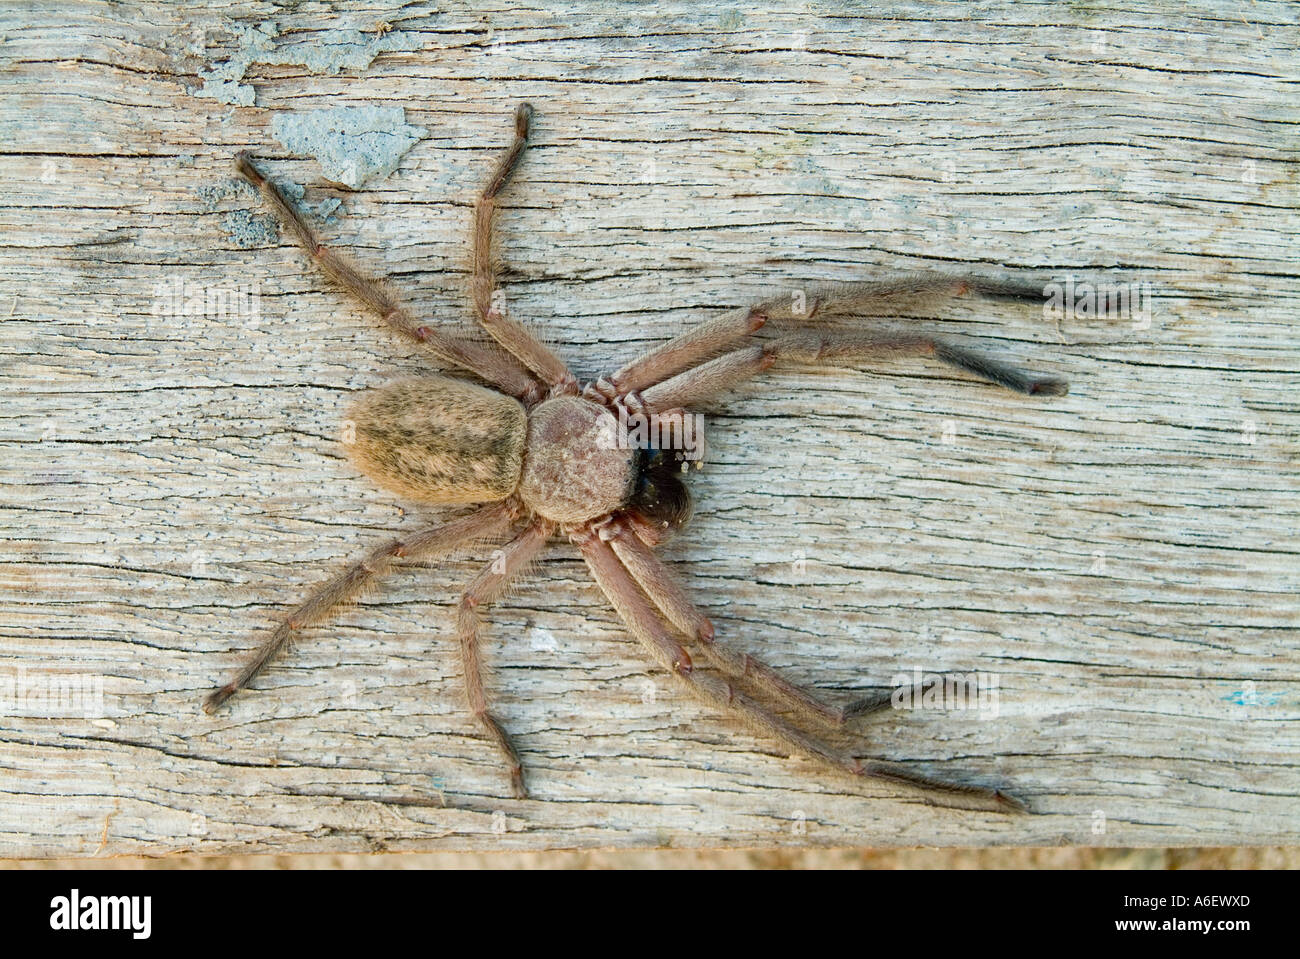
[327, 52]
[213, 193]
[327, 208]
[250, 229]
[352, 144]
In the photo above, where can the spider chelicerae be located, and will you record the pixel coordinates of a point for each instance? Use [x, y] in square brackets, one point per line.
[539, 455]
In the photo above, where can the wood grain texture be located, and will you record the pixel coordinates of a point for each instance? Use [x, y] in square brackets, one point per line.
[1122, 561]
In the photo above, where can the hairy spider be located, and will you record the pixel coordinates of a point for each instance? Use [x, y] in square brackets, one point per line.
[537, 452]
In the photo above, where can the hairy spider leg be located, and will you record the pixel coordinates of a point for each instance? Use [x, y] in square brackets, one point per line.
[511, 334]
[646, 625]
[667, 594]
[494, 366]
[487, 587]
[484, 524]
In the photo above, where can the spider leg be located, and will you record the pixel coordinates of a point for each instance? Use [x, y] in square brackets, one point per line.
[486, 588]
[647, 626]
[512, 335]
[836, 350]
[717, 375]
[828, 297]
[668, 596]
[490, 364]
[347, 585]
[691, 348]
[701, 382]
[662, 589]
[801, 303]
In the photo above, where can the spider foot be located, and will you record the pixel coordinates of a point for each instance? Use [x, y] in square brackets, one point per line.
[214, 699]
[517, 786]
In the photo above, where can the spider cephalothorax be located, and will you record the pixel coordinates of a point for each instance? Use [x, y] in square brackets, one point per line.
[603, 465]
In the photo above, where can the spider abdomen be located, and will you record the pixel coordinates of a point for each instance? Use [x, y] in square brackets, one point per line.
[438, 439]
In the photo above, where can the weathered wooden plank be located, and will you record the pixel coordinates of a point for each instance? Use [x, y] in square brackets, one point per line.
[1122, 562]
